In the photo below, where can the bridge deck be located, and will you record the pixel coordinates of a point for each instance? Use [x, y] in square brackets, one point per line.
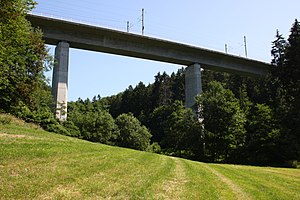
[100, 39]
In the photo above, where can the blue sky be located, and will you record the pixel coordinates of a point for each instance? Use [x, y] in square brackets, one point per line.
[208, 24]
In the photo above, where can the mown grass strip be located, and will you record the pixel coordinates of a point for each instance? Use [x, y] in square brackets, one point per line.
[203, 184]
[259, 184]
[174, 186]
[239, 193]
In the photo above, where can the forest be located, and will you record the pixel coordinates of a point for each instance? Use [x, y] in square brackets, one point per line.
[236, 119]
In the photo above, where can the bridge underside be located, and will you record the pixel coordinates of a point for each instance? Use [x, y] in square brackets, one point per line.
[193, 85]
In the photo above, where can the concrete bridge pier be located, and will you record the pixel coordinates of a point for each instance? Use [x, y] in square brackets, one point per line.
[193, 84]
[60, 79]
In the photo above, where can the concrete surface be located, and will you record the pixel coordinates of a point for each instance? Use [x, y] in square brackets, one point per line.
[60, 79]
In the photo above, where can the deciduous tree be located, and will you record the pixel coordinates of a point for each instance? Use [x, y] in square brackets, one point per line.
[131, 133]
[224, 122]
[22, 56]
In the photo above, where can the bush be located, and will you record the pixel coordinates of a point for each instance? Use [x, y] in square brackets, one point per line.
[132, 133]
[57, 128]
[94, 126]
[5, 119]
[154, 148]
[72, 129]
[43, 117]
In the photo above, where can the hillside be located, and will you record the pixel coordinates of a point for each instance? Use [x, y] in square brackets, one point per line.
[35, 164]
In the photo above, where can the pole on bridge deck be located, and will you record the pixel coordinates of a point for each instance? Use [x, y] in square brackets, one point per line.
[245, 45]
[143, 22]
[60, 80]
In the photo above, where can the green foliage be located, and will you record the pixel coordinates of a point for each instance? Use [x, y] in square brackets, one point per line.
[23, 60]
[154, 148]
[292, 61]
[157, 123]
[43, 117]
[224, 122]
[71, 128]
[12, 9]
[92, 120]
[94, 126]
[262, 136]
[177, 130]
[142, 100]
[22, 56]
[161, 93]
[131, 133]
[286, 80]
[57, 128]
[243, 120]
[278, 50]
[5, 119]
[42, 165]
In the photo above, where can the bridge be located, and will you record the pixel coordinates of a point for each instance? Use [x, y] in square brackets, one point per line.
[65, 34]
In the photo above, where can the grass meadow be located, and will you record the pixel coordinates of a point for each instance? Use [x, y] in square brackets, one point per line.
[35, 164]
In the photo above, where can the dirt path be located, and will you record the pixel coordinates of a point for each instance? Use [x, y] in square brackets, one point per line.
[173, 188]
[240, 194]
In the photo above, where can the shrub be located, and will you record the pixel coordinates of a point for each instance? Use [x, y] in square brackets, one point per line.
[132, 133]
[5, 119]
[154, 148]
[71, 128]
[57, 128]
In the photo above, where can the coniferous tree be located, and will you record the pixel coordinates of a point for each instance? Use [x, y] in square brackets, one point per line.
[291, 83]
[262, 137]
[126, 105]
[178, 85]
[162, 92]
[278, 50]
[285, 92]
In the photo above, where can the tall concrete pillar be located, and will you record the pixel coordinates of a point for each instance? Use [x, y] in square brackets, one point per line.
[193, 84]
[60, 79]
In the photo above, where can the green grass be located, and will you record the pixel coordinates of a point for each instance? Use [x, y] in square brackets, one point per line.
[35, 164]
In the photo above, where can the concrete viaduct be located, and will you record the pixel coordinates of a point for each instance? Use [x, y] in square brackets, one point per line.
[66, 34]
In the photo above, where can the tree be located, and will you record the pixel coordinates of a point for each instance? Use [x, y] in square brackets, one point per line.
[157, 122]
[23, 60]
[95, 126]
[161, 92]
[262, 137]
[126, 100]
[183, 132]
[177, 130]
[114, 104]
[178, 85]
[292, 61]
[290, 78]
[286, 98]
[93, 120]
[224, 122]
[131, 133]
[278, 50]
[22, 56]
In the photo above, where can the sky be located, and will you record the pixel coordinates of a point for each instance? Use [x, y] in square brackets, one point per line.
[207, 24]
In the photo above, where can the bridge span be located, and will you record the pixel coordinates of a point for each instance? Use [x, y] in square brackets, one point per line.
[66, 34]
